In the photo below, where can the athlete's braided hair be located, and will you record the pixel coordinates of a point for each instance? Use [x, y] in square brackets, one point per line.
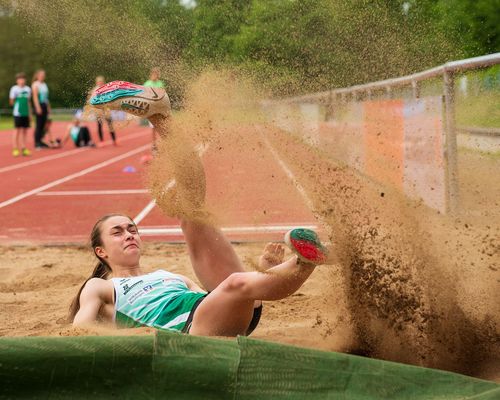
[102, 269]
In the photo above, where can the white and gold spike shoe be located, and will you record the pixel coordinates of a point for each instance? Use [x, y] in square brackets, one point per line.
[137, 100]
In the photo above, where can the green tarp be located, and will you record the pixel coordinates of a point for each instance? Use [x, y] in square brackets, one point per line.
[177, 366]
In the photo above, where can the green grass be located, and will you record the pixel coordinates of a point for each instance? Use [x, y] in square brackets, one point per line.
[61, 117]
[481, 111]
[6, 123]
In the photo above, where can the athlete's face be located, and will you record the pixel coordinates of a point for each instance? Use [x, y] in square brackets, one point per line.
[121, 243]
[21, 81]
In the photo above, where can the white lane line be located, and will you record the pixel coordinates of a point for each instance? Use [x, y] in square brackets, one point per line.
[201, 149]
[64, 154]
[41, 160]
[163, 231]
[289, 173]
[92, 192]
[145, 211]
[73, 176]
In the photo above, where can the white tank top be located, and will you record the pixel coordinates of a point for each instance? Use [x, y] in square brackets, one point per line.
[160, 299]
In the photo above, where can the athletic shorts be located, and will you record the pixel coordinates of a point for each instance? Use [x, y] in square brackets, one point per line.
[22, 122]
[257, 312]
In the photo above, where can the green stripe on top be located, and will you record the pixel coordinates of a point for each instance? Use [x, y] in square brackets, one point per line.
[305, 234]
[113, 95]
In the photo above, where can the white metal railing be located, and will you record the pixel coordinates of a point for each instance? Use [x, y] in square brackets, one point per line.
[449, 68]
[447, 72]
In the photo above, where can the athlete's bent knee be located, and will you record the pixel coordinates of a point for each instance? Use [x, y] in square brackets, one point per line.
[237, 284]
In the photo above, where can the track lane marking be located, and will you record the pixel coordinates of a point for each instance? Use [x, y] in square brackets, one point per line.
[290, 174]
[170, 231]
[65, 154]
[73, 176]
[92, 192]
[145, 211]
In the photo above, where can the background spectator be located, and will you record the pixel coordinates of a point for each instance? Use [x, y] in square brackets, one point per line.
[42, 106]
[19, 98]
[78, 133]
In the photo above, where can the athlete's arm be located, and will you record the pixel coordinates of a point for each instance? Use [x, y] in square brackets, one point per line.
[90, 303]
[38, 108]
[11, 97]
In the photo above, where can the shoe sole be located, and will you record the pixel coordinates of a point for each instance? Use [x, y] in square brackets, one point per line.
[288, 242]
[137, 100]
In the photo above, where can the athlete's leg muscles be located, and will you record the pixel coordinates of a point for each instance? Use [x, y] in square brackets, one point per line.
[227, 310]
[212, 255]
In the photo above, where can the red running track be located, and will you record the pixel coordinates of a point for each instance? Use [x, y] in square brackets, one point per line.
[55, 196]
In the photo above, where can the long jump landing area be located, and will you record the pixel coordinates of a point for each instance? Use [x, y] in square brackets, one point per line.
[56, 195]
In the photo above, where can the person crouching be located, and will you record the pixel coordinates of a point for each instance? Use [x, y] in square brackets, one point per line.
[78, 133]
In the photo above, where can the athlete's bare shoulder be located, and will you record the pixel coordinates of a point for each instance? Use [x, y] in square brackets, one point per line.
[98, 287]
[97, 283]
[96, 294]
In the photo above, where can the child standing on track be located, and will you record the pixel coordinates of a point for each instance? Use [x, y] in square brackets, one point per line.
[19, 98]
[42, 107]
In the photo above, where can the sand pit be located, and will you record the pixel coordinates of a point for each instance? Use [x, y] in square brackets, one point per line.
[38, 284]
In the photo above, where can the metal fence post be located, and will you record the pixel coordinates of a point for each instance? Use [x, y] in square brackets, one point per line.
[416, 89]
[451, 142]
[388, 91]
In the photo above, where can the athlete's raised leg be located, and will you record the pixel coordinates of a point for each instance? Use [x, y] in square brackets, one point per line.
[212, 255]
[228, 310]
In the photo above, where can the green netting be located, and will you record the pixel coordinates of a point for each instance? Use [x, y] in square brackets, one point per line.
[77, 367]
[177, 366]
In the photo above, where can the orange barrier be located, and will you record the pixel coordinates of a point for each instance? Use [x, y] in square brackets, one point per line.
[397, 143]
[383, 128]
